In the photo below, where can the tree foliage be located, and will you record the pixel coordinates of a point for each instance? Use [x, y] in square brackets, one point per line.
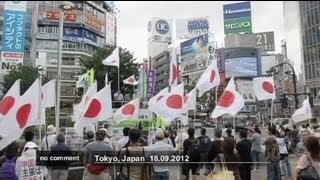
[27, 74]
[127, 68]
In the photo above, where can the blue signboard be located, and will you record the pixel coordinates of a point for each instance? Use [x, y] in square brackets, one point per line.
[237, 10]
[90, 36]
[73, 34]
[194, 45]
[14, 28]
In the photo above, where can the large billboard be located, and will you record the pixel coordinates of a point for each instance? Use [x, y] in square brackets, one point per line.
[265, 41]
[111, 25]
[237, 18]
[160, 30]
[242, 62]
[191, 27]
[13, 38]
[194, 45]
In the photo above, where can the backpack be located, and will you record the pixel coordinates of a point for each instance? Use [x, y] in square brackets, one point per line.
[272, 151]
[205, 143]
[192, 149]
[96, 169]
[8, 169]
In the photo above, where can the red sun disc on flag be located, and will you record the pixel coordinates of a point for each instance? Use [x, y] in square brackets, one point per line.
[226, 99]
[128, 109]
[6, 104]
[93, 109]
[267, 86]
[131, 80]
[174, 101]
[23, 115]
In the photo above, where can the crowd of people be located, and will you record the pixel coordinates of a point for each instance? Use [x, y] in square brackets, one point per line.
[243, 154]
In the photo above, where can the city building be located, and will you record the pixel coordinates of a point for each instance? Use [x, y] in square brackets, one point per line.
[310, 28]
[161, 65]
[91, 25]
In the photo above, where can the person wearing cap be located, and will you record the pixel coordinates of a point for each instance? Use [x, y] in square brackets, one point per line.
[49, 139]
[96, 171]
[26, 167]
[161, 149]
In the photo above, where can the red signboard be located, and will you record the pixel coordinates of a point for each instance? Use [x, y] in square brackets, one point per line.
[69, 16]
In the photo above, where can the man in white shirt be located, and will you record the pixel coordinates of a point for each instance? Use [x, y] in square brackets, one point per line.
[118, 96]
[224, 131]
[49, 139]
[158, 151]
[125, 139]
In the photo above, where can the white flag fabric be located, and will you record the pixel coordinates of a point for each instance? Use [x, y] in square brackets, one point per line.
[48, 94]
[209, 79]
[174, 72]
[113, 59]
[152, 104]
[81, 80]
[129, 110]
[9, 100]
[231, 101]
[303, 113]
[99, 108]
[263, 88]
[106, 79]
[190, 101]
[25, 111]
[130, 80]
[48, 99]
[170, 105]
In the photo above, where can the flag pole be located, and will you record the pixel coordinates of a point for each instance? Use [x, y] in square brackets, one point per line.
[39, 110]
[271, 112]
[216, 102]
[119, 77]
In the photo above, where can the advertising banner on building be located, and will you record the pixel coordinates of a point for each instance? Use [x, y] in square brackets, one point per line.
[54, 15]
[242, 62]
[191, 27]
[13, 37]
[245, 88]
[142, 86]
[151, 83]
[111, 24]
[265, 41]
[237, 18]
[194, 45]
[160, 30]
[73, 34]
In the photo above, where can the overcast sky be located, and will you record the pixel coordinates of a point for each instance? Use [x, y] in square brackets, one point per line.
[134, 16]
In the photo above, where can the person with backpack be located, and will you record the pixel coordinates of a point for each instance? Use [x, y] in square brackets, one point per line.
[26, 167]
[8, 168]
[97, 171]
[191, 149]
[204, 147]
[272, 155]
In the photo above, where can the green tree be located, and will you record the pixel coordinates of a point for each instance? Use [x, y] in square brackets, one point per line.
[128, 67]
[27, 74]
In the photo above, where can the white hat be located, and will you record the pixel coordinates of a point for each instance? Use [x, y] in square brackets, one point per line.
[159, 133]
[30, 145]
[51, 129]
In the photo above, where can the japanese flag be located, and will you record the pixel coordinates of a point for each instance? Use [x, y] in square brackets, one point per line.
[170, 105]
[190, 100]
[113, 59]
[26, 110]
[9, 100]
[174, 72]
[303, 113]
[263, 88]
[99, 107]
[209, 79]
[152, 104]
[79, 108]
[128, 111]
[130, 80]
[231, 102]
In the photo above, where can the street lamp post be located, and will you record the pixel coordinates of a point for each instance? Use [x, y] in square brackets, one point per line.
[294, 78]
[64, 6]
